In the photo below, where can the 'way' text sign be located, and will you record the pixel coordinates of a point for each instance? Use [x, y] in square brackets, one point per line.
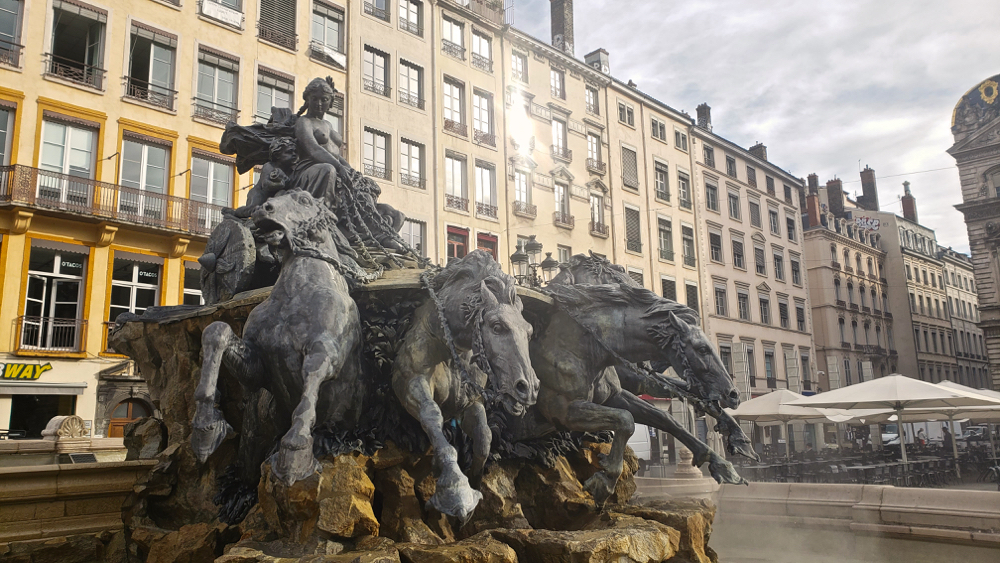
[23, 371]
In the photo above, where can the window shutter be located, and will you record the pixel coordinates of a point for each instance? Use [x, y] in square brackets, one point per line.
[630, 168]
[328, 10]
[669, 289]
[740, 372]
[867, 374]
[154, 35]
[692, 296]
[833, 372]
[217, 58]
[277, 21]
[637, 276]
[632, 224]
[792, 371]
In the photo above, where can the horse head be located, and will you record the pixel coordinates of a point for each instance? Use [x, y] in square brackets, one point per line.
[591, 270]
[293, 217]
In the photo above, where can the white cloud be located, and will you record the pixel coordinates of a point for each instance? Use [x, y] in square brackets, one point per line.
[822, 84]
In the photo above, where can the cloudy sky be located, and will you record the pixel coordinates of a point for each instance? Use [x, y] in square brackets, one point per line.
[829, 87]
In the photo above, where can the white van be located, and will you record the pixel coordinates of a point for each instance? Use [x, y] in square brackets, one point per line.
[640, 444]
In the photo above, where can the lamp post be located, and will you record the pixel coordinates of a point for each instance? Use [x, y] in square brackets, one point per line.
[526, 267]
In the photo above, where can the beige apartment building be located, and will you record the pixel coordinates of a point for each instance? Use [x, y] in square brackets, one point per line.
[966, 341]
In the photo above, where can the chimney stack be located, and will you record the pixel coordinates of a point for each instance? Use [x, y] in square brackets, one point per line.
[705, 117]
[813, 184]
[562, 25]
[869, 198]
[599, 61]
[759, 150]
[835, 197]
[909, 204]
[812, 208]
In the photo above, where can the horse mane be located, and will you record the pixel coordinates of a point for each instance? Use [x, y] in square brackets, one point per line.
[602, 270]
[458, 285]
[584, 300]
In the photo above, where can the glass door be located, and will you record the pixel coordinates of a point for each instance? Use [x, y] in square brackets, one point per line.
[144, 172]
[63, 331]
[34, 309]
[67, 154]
[161, 64]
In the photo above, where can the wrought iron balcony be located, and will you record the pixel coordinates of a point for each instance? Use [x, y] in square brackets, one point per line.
[845, 345]
[279, 37]
[524, 209]
[872, 276]
[633, 245]
[876, 312]
[596, 166]
[453, 49]
[10, 54]
[319, 51]
[866, 310]
[411, 99]
[519, 76]
[75, 71]
[685, 204]
[492, 10]
[412, 181]
[836, 265]
[662, 195]
[667, 254]
[482, 63]
[214, 112]
[689, 260]
[484, 138]
[374, 86]
[599, 229]
[373, 10]
[841, 303]
[49, 334]
[37, 188]
[854, 306]
[772, 382]
[849, 269]
[562, 152]
[593, 109]
[486, 210]
[455, 202]
[454, 127]
[378, 171]
[416, 28]
[564, 220]
[143, 91]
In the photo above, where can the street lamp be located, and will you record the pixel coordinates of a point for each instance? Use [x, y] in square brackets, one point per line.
[533, 248]
[525, 263]
[549, 266]
[520, 262]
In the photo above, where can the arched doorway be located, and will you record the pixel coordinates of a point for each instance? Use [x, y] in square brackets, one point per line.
[126, 411]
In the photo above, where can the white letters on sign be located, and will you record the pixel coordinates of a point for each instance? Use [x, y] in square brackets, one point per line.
[866, 223]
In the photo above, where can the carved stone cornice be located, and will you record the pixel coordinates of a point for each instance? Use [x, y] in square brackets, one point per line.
[980, 209]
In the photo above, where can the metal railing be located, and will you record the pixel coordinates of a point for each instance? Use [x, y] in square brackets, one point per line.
[685, 204]
[10, 54]
[662, 195]
[518, 75]
[213, 111]
[563, 219]
[836, 265]
[379, 13]
[416, 28]
[558, 92]
[490, 9]
[482, 63]
[321, 51]
[593, 109]
[633, 245]
[380, 88]
[412, 181]
[484, 138]
[772, 382]
[136, 89]
[279, 37]
[689, 260]
[378, 171]
[50, 190]
[486, 210]
[74, 71]
[524, 209]
[411, 99]
[667, 254]
[854, 306]
[597, 166]
[453, 49]
[599, 229]
[455, 202]
[49, 334]
[887, 315]
[454, 127]
[877, 312]
[849, 269]
[841, 303]
[562, 152]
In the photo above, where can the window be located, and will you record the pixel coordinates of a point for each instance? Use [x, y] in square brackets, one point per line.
[626, 114]
[796, 273]
[854, 332]
[630, 169]
[521, 192]
[710, 157]
[192, 283]
[772, 216]
[454, 96]
[636, 275]
[779, 266]
[277, 22]
[562, 201]
[850, 293]
[765, 309]
[843, 337]
[487, 243]
[327, 34]
[486, 191]
[658, 129]
[376, 71]
[453, 38]
[6, 123]
[715, 246]
[482, 117]
[273, 91]
[211, 183]
[590, 96]
[788, 193]
[806, 375]
[687, 242]
[666, 236]
[754, 213]
[559, 138]
[144, 172]
[751, 176]
[683, 190]
[67, 150]
[734, 205]
[772, 382]
[11, 12]
[680, 140]
[769, 181]
[726, 355]
[77, 51]
[564, 253]
[411, 84]
[410, 12]
[458, 243]
[760, 262]
[661, 181]
[519, 67]
[668, 288]
[151, 62]
[731, 166]
[593, 149]
[800, 318]
[411, 170]
[134, 286]
[53, 302]
[557, 83]
[375, 157]
[743, 305]
[692, 296]
[847, 370]
[783, 314]
[215, 99]
[751, 366]
[738, 259]
[454, 177]
[482, 52]
[633, 236]
[712, 197]
[597, 210]
[909, 275]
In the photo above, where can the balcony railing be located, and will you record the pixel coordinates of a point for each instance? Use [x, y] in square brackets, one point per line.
[877, 312]
[562, 152]
[836, 265]
[887, 315]
[454, 127]
[866, 310]
[482, 63]
[411, 99]
[841, 303]
[662, 195]
[484, 138]
[279, 37]
[633, 245]
[593, 109]
[596, 166]
[49, 334]
[373, 10]
[518, 75]
[486, 210]
[558, 92]
[872, 276]
[380, 88]
[689, 260]
[378, 171]
[43, 189]
[490, 9]
[524, 209]
[849, 269]
[324, 53]
[455, 202]
[599, 229]
[453, 49]
[685, 204]
[667, 254]
[854, 306]
[75, 71]
[412, 181]
[213, 111]
[143, 91]
[563, 219]
[416, 28]
[10, 54]
[772, 382]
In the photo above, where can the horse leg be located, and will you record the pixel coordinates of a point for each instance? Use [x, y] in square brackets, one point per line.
[583, 416]
[219, 345]
[475, 426]
[645, 413]
[452, 495]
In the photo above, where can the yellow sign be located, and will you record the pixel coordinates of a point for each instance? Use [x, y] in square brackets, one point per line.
[23, 371]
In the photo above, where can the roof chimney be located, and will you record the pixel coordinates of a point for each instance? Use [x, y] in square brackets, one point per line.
[909, 204]
[869, 198]
[812, 209]
[835, 196]
[813, 184]
[705, 116]
[759, 150]
[598, 60]
[562, 25]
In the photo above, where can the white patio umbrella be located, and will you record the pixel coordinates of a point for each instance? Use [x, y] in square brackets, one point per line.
[773, 407]
[899, 393]
[985, 414]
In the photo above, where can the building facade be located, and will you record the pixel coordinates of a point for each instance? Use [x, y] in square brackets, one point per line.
[977, 155]
[971, 366]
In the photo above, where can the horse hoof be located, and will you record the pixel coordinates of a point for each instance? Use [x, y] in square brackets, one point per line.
[457, 499]
[208, 435]
[600, 486]
[291, 466]
[724, 473]
[295, 441]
